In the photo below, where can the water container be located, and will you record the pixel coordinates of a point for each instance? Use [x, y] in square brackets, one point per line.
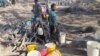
[34, 53]
[29, 23]
[93, 48]
[55, 53]
[62, 38]
[43, 52]
[40, 31]
[50, 47]
[31, 47]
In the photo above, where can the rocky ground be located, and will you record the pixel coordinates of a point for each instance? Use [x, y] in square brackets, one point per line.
[75, 19]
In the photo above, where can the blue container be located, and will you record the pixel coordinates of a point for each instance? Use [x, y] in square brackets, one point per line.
[29, 22]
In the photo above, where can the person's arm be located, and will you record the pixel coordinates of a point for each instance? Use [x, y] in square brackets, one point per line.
[40, 8]
[32, 9]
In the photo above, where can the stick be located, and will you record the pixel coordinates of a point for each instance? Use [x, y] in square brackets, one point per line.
[23, 41]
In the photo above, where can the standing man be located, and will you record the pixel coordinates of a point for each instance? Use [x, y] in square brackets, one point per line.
[54, 33]
[37, 10]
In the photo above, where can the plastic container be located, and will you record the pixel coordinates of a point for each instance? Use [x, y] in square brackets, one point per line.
[34, 53]
[43, 52]
[29, 23]
[55, 53]
[40, 31]
[93, 48]
[62, 38]
[50, 47]
[31, 47]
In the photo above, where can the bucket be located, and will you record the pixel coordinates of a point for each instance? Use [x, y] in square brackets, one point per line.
[62, 37]
[93, 48]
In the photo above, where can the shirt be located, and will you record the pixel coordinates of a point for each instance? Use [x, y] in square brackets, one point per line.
[52, 17]
[37, 10]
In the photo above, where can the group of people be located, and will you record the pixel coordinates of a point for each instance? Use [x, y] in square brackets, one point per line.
[42, 19]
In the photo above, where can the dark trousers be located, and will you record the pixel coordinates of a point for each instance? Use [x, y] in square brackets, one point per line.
[41, 39]
[54, 36]
[52, 28]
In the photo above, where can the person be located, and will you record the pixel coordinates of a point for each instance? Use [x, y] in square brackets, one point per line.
[40, 34]
[44, 15]
[52, 18]
[54, 33]
[37, 10]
